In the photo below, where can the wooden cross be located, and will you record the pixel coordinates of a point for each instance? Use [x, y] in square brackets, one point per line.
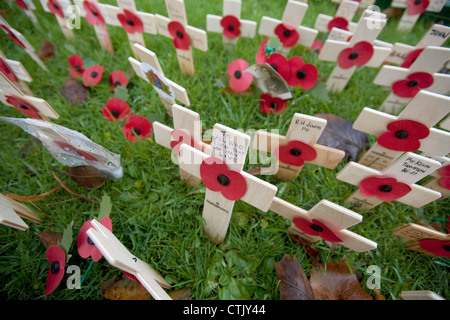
[440, 177]
[292, 17]
[430, 61]
[346, 10]
[11, 212]
[9, 91]
[407, 170]
[187, 128]
[333, 216]
[197, 37]
[119, 256]
[363, 4]
[111, 14]
[225, 175]
[425, 109]
[19, 75]
[435, 37]
[21, 41]
[414, 233]
[231, 8]
[420, 295]
[410, 16]
[100, 28]
[28, 7]
[150, 70]
[359, 51]
[63, 5]
[303, 129]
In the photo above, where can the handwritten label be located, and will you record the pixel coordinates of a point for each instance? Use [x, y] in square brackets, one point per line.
[228, 146]
[176, 11]
[411, 168]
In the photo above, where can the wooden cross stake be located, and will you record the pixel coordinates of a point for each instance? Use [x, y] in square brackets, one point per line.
[16, 73]
[348, 54]
[440, 177]
[292, 17]
[303, 129]
[64, 5]
[119, 256]
[363, 4]
[225, 174]
[232, 8]
[430, 61]
[411, 14]
[407, 170]
[333, 216]
[11, 211]
[425, 109]
[28, 8]
[420, 295]
[150, 70]
[346, 10]
[197, 37]
[112, 13]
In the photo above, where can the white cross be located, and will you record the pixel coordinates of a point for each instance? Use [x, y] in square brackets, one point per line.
[346, 9]
[408, 21]
[434, 182]
[293, 17]
[426, 108]
[364, 33]
[11, 211]
[306, 129]
[335, 217]
[150, 70]
[187, 128]
[119, 256]
[408, 169]
[148, 21]
[231, 8]
[197, 37]
[100, 29]
[30, 7]
[21, 74]
[430, 61]
[230, 146]
[64, 5]
[27, 45]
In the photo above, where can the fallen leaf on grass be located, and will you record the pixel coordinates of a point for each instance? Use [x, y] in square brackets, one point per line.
[86, 176]
[124, 289]
[49, 238]
[47, 50]
[70, 191]
[74, 92]
[181, 294]
[32, 198]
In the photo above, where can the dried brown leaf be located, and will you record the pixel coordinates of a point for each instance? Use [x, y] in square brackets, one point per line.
[47, 50]
[86, 176]
[312, 251]
[32, 198]
[74, 92]
[181, 294]
[49, 238]
[124, 289]
[70, 191]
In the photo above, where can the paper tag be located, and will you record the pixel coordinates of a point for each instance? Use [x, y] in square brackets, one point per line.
[157, 80]
[270, 81]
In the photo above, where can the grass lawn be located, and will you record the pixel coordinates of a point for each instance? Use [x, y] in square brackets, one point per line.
[158, 217]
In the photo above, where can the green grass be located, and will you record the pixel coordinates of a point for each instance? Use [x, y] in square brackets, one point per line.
[154, 214]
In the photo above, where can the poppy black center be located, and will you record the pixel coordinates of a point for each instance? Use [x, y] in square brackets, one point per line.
[273, 105]
[117, 83]
[402, 134]
[77, 67]
[412, 83]
[446, 248]
[94, 12]
[223, 180]
[353, 55]
[136, 131]
[22, 106]
[55, 6]
[385, 188]
[316, 227]
[230, 27]
[179, 34]
[94, 74]
[89, 241]
[301, 74]
[130, 23]
[54, 267]
[274, 66]
[287, 33]
[237, 74]
[296, 152]
[417, 2]
[115, 113]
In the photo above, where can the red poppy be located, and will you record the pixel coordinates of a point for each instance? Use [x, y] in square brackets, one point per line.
[12, 36]
[444, 182]
[231, 26]
[137, 127]
[180, 136]
[117, 79]
[413, 83]
[180, 37]
[76, 66]
[92, 75]
[130, 22]
[385, 189]
[287, 35]
[295, 153]
[411, 57]
[261, 54]
[280, 64]
[317, 45]
[23, 106]
[440, 248]
[217, 177]
[358, 55]
[338, 22]
[403, 135]
[239, 80]
[71, 150]
[269, 104]
[57, 257]
[303, 74]
[55, 8]
[6, 70]
[116, 109]
[93, 15]
[316, 228]
[417, 6]
[86, 248]
[22, 4]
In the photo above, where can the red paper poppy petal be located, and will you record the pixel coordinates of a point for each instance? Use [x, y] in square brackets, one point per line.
[22, 4]
[55, 254]
[231, 26]
[445, 171]
[343, 60]
[280, 64]
[398, 190]
[55, 8]
[23, 106]
[237, 187]
[269, 104]
[284, 153]
[445, 183]
[326, 233]
[424, 79]
[287, 40]
[369, 186]
[136, 23]
[435, 247]
[179, 137]
[242, 83]
[210, 169]
[411, 57]
[317, 45]
[261, 54]
[417, 7]
[118, 106]
[75, 60]
[305, 226]
[236, 65]
[137, 122]
[6, 70]
[415, 129]
[174, 28]
[90, 17]
[338, 22]
[401, 89]
[88, 79]
[364, 51]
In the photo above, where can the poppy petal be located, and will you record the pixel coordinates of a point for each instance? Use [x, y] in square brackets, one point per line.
[57, 257]
[239, 80]
[231, 26]
[411, 57]
[439, 248]
[130, 22]
[403, 135]
[23, 106]
[287, 35]
[295, 153]
[386, 189]
[92, 75]
[269, 104]
[417, 7]
[93, 15]
[261, 54]
[280, 64]
[338, 22]
[116, 109]
[413, 83]
[303, 75]
[358, 55]
[180, 37]
[139, 126]
[7, 71]
[55, 8]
